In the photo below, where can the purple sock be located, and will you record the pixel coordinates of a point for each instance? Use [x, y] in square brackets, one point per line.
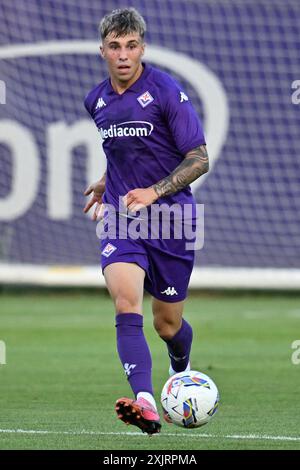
[179, 347]
[134, 352]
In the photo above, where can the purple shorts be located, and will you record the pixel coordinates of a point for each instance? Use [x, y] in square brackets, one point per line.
[167, 263]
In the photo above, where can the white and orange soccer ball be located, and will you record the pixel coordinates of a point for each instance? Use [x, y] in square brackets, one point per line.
[189, 399]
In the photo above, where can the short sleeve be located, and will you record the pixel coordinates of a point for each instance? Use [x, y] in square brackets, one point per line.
[182, 119]
[87, 103]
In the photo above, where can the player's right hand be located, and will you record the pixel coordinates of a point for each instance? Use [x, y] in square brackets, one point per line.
[97, 189]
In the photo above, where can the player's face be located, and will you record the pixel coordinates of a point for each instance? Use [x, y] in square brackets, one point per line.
[123, 56]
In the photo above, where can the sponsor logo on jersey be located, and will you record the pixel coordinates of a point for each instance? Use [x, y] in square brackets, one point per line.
[145, 99]
[127, 129]
[183, 97]
[170, 291]
[100, 103]
[108, 250]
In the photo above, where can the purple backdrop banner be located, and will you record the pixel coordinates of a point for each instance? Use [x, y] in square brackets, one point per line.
[239, 63]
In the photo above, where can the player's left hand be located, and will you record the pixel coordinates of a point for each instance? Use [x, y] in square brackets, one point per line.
[138, 198]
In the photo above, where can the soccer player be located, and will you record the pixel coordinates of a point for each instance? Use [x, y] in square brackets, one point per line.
[154, 144]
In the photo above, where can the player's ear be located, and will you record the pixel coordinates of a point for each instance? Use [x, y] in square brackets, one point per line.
[143, 48]
[101, 48]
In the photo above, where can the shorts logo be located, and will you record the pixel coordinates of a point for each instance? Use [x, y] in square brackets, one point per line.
[170, 291]
[145, 99]
[108, 250]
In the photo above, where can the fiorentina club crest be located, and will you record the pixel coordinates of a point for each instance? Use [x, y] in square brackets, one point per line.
[108, 250]
[145, 99]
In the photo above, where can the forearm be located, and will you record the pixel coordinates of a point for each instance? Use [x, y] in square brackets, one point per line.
[194, 165]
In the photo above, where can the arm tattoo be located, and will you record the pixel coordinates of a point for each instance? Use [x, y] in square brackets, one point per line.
[194, 165]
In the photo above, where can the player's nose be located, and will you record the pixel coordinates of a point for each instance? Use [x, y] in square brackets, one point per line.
[123, 54]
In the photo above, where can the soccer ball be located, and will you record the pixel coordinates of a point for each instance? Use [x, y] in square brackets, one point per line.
[189, 399]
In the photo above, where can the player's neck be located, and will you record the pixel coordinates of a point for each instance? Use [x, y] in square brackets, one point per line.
[121, 87]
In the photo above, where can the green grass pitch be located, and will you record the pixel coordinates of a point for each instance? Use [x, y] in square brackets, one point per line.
[62, 373]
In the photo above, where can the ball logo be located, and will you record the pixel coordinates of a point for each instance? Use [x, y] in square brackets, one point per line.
[188, 381]
[185, 381]
[214, 408]
[127, 129]
[189, 414]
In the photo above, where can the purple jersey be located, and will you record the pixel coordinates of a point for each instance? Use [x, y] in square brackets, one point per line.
[146, 132]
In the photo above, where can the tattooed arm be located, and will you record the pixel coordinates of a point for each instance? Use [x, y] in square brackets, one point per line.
[194, 165]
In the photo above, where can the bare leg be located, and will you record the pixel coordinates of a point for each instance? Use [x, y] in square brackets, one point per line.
[175, 331]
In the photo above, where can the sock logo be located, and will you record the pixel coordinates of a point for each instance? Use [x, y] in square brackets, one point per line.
[128, 368]
[177, 359]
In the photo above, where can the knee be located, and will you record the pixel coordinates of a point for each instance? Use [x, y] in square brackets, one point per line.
[125, 304]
